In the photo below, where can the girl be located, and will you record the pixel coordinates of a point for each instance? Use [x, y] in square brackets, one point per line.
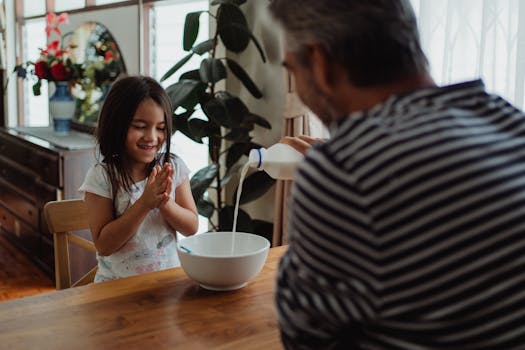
[137, 198]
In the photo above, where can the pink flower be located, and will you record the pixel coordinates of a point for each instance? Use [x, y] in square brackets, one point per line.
[62, 18]
[51, 48]
[53, 22]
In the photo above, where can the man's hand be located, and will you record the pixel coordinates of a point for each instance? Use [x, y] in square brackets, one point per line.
[301, 143]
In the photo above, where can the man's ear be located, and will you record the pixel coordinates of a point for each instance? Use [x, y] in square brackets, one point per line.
[324, 71]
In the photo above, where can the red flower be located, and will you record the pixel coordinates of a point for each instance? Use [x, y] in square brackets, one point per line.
[42, 70]
[108, 56]
[59, 71]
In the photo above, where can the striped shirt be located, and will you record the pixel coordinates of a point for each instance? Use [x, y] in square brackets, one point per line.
[407, 228]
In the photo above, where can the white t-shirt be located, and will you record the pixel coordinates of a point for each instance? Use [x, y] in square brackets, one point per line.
[153, 247]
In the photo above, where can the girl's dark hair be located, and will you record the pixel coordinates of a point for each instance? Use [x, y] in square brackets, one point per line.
[114, 121]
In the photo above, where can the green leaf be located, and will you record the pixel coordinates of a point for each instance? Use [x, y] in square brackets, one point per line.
[257, 119]
[233, 38]
[182, 91]
[216, 111]
[263, 228]
[245, 79]
[202, 48]
[176, 67]
[252, 37]
[235, 108]
[238, 135]
[231, 2]
[202, 179]
[255, 185]
[244, 221]
[251, 145]
[195, 97]
[191, 29]
[36, 88]
[180, 123]
[199, 128]
[212, 70]
[191, 75]
[235, 152]
[205, 207]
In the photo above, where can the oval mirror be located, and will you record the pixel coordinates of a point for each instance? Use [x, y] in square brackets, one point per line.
[93, 47]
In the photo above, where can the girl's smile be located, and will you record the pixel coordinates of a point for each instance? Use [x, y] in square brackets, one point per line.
[145, 137]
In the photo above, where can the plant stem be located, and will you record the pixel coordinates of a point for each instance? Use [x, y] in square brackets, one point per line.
[216, 140]
[214, 227]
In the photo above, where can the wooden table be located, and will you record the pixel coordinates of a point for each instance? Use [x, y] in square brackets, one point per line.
[160, 310]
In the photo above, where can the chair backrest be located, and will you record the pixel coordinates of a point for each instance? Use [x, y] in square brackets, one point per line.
[63, 217]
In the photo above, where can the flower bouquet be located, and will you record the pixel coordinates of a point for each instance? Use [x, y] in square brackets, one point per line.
[54, 63]
[88, 82]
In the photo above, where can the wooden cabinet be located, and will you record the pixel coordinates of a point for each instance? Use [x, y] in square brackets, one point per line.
[36, 167]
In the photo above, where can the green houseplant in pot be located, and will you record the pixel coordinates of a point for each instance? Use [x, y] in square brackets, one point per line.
[228, 123]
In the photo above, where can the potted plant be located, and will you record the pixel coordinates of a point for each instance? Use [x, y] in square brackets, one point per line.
[229, 123]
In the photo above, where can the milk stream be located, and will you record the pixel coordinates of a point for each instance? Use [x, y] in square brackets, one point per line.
[236, 210]
[279, 161]
[239, 190]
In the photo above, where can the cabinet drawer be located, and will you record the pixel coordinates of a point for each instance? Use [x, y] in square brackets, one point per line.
[25, 237]
[7, 221]
[28, 236]
[19, 206]
[47, 164]
[18, 177]
[47, 253]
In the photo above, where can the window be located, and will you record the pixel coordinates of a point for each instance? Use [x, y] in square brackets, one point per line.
[66, 5]
[36, 106]
[34, 7]
[167, 27]
[472, 39]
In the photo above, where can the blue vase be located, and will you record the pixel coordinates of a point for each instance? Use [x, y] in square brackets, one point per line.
[61, 108]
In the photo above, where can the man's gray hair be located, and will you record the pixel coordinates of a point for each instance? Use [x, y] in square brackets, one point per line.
[376, 40]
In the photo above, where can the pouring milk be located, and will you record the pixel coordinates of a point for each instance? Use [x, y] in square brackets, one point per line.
[280, 161]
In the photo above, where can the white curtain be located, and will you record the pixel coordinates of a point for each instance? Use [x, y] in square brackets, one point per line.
[470, 39]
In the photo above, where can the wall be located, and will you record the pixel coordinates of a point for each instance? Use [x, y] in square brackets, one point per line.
[123, 23]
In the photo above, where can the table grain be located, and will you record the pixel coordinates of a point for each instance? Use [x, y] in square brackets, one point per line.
[159, 310]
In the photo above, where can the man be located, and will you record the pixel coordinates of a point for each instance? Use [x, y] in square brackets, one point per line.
[407, 227]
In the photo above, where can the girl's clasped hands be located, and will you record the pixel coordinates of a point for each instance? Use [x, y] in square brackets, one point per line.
[158, 186]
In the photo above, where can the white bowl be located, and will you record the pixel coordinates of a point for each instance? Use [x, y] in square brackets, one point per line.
[223, 260]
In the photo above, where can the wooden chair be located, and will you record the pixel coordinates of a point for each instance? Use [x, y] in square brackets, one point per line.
[62, 217]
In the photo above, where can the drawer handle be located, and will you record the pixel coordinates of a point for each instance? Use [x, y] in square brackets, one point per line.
[30, 213]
